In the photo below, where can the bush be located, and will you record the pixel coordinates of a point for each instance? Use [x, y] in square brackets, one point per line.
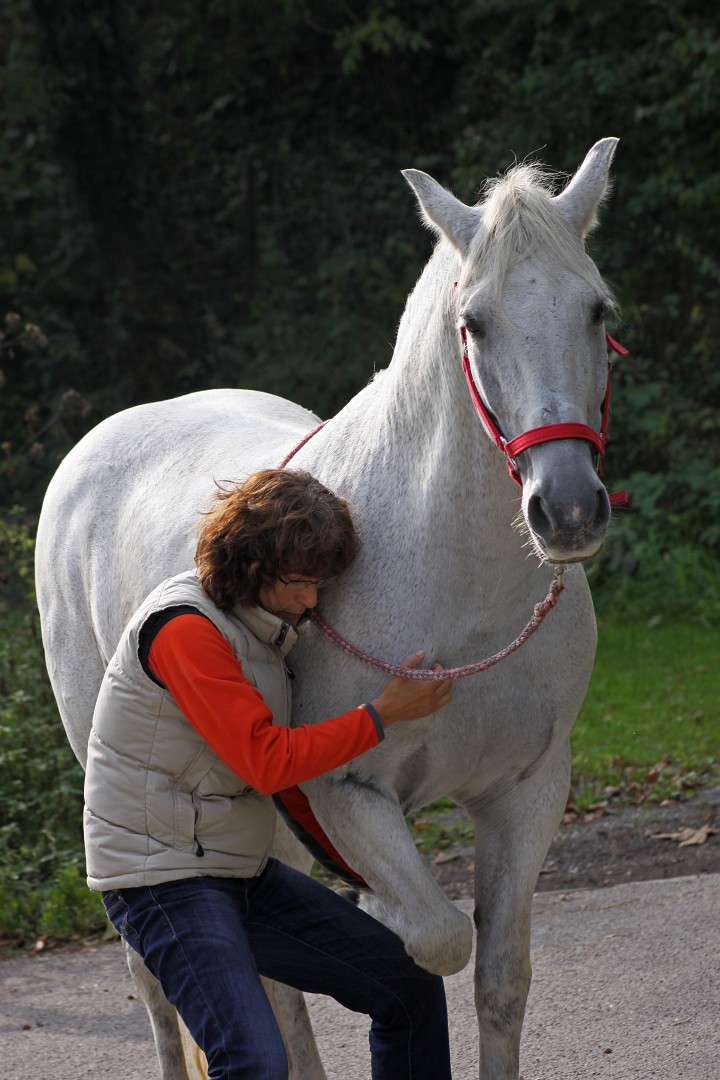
[659, 559]
[41, 793]
[69, 906]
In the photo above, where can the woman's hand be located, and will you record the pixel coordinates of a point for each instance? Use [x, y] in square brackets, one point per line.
[410, 699]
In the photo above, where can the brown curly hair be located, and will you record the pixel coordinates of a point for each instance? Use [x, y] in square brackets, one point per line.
[273, 524]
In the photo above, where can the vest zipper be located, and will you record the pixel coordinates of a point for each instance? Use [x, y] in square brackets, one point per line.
[199, 850]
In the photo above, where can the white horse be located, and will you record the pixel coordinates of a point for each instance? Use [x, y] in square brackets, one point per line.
[443, 566]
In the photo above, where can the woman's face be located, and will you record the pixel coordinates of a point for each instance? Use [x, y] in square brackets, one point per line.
[290, 597]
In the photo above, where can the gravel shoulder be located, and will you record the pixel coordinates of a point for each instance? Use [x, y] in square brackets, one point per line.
[620, 845]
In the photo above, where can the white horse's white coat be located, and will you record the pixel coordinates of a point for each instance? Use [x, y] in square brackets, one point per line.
[441, 566]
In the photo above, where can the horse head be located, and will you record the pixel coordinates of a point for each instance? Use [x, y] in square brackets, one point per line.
[531, 307]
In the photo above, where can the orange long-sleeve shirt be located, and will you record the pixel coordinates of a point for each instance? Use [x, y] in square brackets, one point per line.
[196, 664]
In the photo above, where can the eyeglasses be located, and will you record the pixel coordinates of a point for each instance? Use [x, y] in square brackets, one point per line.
[302, 583]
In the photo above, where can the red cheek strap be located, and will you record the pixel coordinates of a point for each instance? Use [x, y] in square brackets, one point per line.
[547, 432]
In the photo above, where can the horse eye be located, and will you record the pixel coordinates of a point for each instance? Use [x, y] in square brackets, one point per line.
[599, 312]
[474, 325]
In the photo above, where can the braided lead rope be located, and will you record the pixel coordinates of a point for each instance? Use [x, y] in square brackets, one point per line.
[300, 445]
[425, 675]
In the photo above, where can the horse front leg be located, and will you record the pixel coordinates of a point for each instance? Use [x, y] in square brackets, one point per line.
[366, 825]
[296, 1029]
[163, 1020]
[512, 837]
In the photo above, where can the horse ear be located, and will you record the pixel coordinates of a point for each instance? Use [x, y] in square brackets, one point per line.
[442, 212]
[580, 200]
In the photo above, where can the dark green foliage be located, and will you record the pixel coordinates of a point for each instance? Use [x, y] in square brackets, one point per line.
[41, 789]
[209, 195]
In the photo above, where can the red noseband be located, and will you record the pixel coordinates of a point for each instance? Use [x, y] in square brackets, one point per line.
[548, 432]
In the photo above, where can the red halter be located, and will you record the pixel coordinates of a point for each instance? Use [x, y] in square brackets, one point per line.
[548, 432]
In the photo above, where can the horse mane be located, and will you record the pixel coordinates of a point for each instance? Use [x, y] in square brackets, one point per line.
[519, 221]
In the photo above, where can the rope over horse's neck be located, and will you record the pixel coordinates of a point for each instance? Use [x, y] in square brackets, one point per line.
[540, 611]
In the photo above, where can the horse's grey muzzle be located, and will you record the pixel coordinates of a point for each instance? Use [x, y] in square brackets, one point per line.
[571, 528]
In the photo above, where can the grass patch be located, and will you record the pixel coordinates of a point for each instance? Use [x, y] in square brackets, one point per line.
[649, 727]
[440, 827]
[648, 731]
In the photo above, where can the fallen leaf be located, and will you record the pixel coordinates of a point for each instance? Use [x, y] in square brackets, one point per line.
[688, 837]
[698, 836]
[444, 856]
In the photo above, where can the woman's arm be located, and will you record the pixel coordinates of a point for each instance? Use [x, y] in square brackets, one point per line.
[193, 660]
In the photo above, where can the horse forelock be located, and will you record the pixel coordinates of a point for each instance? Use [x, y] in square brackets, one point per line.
[519, 221]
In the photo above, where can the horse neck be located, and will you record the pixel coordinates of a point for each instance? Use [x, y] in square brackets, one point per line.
[410, 447]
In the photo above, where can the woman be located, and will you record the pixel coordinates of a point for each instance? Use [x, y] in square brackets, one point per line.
[190, 739]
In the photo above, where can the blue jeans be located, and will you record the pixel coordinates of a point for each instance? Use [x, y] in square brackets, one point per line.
[208, 940]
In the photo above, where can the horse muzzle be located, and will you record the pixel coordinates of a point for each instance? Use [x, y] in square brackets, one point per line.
[568, 517]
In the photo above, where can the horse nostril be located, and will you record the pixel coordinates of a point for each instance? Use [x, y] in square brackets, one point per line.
[540, 517]
[569, 519]
[602, 513]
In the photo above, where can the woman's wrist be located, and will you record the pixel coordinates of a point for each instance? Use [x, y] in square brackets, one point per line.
[381, 713]
[370, 708]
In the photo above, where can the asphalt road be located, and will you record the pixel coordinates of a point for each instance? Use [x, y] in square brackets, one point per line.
[626, 986]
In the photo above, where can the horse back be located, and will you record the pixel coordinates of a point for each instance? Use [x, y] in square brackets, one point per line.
[120, 516]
